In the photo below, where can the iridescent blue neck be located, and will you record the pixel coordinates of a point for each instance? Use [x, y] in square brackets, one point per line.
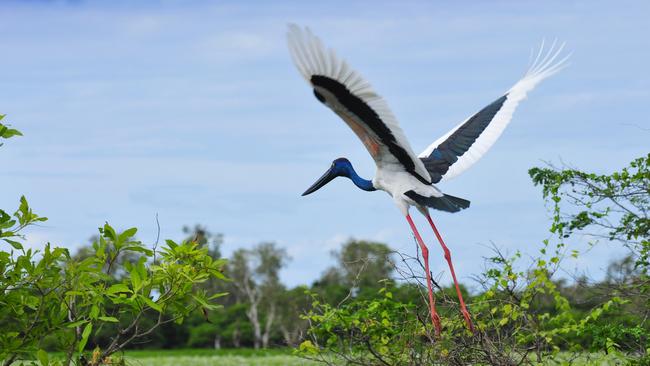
[346, 170]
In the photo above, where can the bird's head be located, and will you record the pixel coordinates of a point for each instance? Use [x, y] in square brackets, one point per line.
[340, 167]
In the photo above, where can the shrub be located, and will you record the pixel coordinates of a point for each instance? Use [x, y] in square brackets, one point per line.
[72, 299]
[522, 316]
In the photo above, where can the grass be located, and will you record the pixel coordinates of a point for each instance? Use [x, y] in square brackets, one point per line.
[282, 357]
[586, 359]
[205, 357]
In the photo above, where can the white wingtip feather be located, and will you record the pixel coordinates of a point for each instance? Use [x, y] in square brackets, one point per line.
[545, 63]
[312, 57]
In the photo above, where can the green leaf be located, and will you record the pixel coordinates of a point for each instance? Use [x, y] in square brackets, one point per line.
[94, 312]
[76, 324]
[200, 300]
[84, 337]
[6, 132]
[143, 250]
[14, 244]
[10, 132]
[42, 357]
[136, 282]
[171, 244]
[217, 295]
[308, 347]
[118, 287]
[23, 209]
[5, 221]
[109, 319]
[152, 304]
[109, 232]
[129, 233]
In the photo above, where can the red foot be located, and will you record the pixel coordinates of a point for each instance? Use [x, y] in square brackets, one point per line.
[468, 319]
[435, 318]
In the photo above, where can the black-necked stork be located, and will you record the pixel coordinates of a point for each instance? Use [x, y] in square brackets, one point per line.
[408, 178]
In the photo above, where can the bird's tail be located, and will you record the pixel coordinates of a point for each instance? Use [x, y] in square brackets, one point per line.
[447, 203]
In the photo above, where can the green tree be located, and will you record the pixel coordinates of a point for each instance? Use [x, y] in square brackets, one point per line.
[256, 281]
[75, 299]
[29, 303]
[612, 207]
[360, 266]
[293, 305]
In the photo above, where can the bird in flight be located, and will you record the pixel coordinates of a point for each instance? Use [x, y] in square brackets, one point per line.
[408, 178]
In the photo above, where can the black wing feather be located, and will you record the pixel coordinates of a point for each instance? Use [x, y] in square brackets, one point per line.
[447, 153]
[368, 116]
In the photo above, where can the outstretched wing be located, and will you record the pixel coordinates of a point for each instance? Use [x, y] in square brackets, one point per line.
[464, 145]
[346, 93]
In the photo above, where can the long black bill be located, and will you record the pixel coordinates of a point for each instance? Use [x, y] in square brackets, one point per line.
[326, 178]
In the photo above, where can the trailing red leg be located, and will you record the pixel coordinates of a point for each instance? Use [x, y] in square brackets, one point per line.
[435, 318]
[463, 308]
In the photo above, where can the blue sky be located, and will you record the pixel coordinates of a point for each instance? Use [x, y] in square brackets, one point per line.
[193, 111]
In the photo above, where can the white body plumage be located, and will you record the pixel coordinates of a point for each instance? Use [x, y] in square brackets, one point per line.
[396, 182]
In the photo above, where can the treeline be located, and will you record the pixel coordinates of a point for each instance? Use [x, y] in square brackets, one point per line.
[370, 306]
[260, 311]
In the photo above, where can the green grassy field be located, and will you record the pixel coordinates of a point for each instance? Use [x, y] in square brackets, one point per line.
[205, 357]
[282, 357]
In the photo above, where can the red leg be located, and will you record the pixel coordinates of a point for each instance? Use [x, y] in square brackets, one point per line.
[435, 318]
[463, 309]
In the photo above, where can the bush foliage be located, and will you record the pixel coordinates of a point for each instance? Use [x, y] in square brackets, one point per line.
[49, 295]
